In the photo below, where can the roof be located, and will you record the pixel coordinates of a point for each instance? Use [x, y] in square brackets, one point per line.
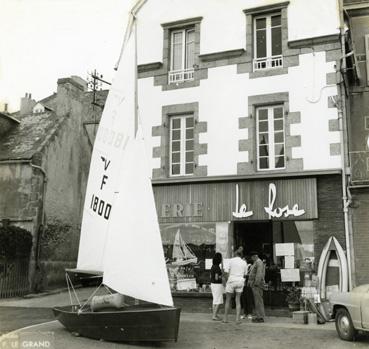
[28, 138]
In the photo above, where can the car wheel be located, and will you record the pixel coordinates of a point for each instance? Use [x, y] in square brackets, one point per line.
[344, 326]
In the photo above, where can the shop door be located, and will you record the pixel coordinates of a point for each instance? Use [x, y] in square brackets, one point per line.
[256, 236]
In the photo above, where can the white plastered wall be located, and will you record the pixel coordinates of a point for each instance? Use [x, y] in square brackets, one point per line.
[223, 99]
[223, 26]
[223, 96]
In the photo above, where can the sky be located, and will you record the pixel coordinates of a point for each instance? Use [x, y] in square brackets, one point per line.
[44, 40]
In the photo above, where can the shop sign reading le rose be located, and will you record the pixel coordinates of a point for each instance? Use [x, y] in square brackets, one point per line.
[270, 210]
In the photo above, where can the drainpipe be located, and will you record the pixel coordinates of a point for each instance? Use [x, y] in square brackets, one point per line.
[342, 117]
[42, 223]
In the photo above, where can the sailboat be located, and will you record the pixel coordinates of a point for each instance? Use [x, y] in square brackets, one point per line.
[120, 236]
[183, 257]
[182, 254]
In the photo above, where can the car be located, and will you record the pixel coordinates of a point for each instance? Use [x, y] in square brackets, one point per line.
[351, 312]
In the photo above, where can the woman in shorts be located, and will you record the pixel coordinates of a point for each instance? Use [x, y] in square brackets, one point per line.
[216, 285]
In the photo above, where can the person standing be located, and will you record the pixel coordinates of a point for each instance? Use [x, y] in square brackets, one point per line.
[216, 284]
[257, 282]
[247, 298]
[236, 271]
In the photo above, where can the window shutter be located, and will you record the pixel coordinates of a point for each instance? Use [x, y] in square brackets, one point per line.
[367, 57]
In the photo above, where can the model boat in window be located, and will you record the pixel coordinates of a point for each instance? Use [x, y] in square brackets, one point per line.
[182, 254]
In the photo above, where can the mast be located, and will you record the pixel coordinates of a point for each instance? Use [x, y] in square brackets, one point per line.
[142, 280]
[136, 75]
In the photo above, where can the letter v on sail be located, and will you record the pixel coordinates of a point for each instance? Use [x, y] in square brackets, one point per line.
[122, 244]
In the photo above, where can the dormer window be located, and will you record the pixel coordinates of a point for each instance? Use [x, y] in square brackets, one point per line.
[182, 58]
[38, 109]
[268, 42]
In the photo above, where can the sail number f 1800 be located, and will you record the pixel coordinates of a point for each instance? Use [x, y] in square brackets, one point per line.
[101, 207]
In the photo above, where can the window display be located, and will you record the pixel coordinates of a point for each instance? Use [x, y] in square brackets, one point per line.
[186, 247]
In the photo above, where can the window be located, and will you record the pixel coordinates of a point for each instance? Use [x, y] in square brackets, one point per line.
[270, 138]
[366, 118]
[181, 145]
[268, 42]
[182, 55]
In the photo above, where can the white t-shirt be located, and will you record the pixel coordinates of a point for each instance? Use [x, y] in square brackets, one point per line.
[237, 268]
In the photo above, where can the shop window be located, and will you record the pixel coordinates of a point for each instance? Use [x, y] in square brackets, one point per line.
[181, 145]
[268, 41]
[182, 57]
[186, 248]
[270, 138]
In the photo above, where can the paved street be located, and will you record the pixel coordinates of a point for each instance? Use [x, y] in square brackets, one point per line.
[197, 330]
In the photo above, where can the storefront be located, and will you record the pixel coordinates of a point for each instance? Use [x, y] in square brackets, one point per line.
[287, 220]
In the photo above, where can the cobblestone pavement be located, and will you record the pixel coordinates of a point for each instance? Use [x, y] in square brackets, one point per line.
[198, 331]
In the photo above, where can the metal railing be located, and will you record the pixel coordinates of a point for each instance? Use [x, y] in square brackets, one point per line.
[268, 62]
[359, 161]
[182, 75]
[14, 278]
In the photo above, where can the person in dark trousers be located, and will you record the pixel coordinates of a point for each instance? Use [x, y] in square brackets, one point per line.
[257, 283]
[216, 285]
[247, 298]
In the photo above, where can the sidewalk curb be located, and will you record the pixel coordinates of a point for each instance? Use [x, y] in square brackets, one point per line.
[271, 321]
[48, 293]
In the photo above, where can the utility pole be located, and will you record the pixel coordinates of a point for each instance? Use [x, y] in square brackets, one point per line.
[95, 82]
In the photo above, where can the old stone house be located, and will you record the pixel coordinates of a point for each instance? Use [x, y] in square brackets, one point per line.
[357, 73]
[45, 150]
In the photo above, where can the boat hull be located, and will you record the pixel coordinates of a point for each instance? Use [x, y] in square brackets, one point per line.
[146, 322]
[332, 268]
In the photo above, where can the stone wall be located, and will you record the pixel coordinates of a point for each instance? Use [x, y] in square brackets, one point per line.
[66, 160]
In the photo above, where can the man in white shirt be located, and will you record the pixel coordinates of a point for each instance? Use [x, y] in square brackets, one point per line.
[236, 271]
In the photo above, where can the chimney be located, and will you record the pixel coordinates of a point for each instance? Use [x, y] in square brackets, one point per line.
[5, 107]
[69, 90]
[27, 104]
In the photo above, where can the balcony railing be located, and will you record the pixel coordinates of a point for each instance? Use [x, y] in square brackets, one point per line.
[359, 161]
[182, 75]
[268, 62]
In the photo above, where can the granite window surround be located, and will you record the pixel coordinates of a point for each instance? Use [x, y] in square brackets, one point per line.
[329, 44]
[161, 79]
[162, 131]
[290, 59]
[250, 144]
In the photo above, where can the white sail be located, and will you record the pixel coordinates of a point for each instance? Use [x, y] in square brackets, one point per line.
[134, 259]
[124, 243]
[115, 129]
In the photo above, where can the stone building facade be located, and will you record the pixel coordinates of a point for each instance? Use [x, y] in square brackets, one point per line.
[357, 73]
[238, 106]
[44, 161]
